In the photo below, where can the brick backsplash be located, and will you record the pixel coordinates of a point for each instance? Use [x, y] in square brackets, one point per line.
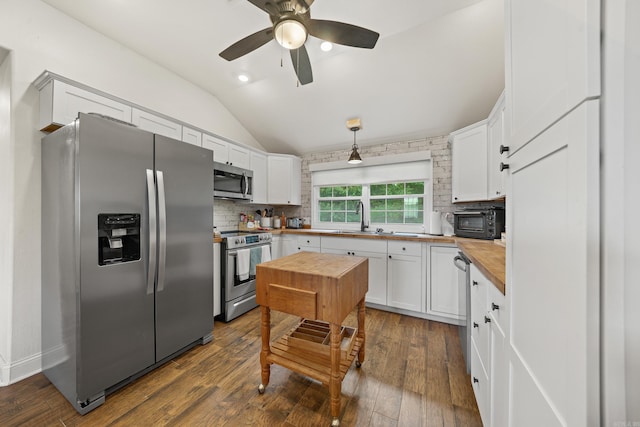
[226, 213]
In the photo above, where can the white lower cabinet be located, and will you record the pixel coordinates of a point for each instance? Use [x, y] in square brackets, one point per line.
[375, 251]
[308, 243]
[446, 296]
[276, 246]
[405, 278]
[489, 355]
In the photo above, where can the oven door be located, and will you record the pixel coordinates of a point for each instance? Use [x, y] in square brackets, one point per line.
[234, 287]
[471, 224]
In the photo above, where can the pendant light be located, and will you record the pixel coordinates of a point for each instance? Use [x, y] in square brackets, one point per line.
[354, 126]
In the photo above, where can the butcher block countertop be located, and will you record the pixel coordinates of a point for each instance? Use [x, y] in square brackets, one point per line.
[488, 256]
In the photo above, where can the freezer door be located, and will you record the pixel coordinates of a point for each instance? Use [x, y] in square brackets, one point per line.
[184, 299]
[116, 330]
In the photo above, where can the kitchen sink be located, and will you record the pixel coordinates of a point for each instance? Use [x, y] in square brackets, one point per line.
[378, 233]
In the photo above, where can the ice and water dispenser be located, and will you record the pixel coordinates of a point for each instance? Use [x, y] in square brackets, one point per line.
[118, 238]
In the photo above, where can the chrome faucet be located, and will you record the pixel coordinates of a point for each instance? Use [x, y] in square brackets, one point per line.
[360, 210]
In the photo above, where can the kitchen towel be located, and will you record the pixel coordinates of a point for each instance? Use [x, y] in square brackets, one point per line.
[242, 264]
[255, 259]
[266, 253]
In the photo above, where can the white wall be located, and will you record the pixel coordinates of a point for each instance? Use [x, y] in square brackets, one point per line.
[39, 37]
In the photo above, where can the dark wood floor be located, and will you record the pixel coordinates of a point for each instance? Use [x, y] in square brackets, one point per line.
[413, 375]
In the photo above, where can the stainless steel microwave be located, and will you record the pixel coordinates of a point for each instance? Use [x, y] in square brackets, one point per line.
[485, 223]
[232, 182]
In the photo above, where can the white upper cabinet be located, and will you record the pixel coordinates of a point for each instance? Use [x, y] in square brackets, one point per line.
[497, 154]
[226, 152]
[61, 102]
[469, 163]
[156, 124]
[259, 168]
[284, 183]
[192, 136]
[552, 62]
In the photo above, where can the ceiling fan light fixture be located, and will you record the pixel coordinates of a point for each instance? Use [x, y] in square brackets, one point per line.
[290, 33]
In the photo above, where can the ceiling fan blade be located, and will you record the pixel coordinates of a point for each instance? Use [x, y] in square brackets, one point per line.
[341, 33]
[266, 5]
[302, 65]
[247, 44]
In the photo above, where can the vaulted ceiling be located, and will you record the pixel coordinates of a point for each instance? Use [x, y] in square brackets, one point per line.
[438, 65]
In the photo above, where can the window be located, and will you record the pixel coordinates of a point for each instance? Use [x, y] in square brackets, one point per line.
[397, 203]
[395, 191]
[339, 203]
[388, 203]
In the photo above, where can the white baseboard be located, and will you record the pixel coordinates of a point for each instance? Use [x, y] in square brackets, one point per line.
[13, 372]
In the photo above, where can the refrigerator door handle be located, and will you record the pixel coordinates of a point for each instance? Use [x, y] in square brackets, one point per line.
[151, 258]
[162, 231]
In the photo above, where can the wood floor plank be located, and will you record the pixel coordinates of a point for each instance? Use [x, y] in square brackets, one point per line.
[413, 375]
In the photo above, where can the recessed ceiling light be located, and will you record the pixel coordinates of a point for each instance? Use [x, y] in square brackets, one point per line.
[243, 78]
[326, 46]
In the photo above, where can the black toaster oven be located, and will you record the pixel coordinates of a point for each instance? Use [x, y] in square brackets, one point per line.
[484, 223]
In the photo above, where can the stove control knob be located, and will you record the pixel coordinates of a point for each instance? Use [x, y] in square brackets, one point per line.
[237, 241]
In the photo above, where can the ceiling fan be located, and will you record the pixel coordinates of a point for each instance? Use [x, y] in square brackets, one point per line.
[291, 25]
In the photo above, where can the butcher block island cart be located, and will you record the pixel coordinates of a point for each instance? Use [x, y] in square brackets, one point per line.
[322, 289]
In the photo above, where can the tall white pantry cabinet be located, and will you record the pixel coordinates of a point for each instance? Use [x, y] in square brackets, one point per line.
[552, 128]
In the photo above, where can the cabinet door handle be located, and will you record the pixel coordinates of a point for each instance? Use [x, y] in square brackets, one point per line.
[404, 249]
[504, 148]
[389, 256]
[495, 306]
[487, 319]
[475, 380]
[474, 283]
[475, 325]
[503, 166]
[455, 198]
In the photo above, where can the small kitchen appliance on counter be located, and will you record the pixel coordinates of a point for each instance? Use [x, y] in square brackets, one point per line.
[294, 222]
[479, 223]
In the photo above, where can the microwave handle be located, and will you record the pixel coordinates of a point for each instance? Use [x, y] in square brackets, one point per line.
[243, 185]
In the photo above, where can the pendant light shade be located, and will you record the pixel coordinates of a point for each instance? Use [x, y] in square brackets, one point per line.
[354, 126]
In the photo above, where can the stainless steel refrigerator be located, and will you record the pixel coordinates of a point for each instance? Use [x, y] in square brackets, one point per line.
[127, 251]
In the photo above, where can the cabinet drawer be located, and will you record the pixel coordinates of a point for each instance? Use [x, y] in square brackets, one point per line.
[399, 247]
[313, 241]
[354, 245]
[480, 384]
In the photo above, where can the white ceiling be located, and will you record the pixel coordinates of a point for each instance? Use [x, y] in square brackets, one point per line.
[438, 65]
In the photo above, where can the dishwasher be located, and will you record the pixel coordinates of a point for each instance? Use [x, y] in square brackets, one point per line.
[462, 263]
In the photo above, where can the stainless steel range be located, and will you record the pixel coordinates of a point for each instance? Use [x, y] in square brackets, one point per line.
[241, 252]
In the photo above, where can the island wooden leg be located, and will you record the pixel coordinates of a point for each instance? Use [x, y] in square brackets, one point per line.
[265, 328]
[361, 334]
[335, 382]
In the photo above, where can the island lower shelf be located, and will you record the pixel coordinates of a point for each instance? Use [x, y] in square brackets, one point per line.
[308, 360]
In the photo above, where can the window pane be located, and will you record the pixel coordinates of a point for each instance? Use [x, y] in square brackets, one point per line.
[339, 191]
[339, 205]
[337, 217]
[325, 191]
[355, 190]
[395, 217]
[379, 190]
[352, 205]
[378, 217]
[325, 216]
[395, 204]
[415, 187]
[378, 205]
[414, 217]
[413, 203]
[325, 205]
[395, 189]
[353, 217]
